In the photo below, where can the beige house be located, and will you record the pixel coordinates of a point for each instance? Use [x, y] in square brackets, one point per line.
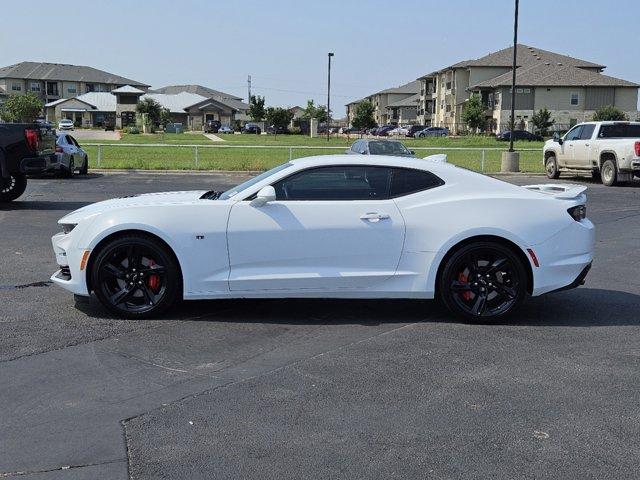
[570, 88]
[54, 81]
[387, 98]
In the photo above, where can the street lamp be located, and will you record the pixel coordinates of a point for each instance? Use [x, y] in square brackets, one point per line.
[330, 54]
[510, 158]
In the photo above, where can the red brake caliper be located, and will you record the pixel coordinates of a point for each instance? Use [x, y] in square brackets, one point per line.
[465, 295]
[153, 280]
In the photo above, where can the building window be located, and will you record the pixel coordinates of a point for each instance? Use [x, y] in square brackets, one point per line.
[35, 86]
[526, 90]
[574, 99]
[448, 109]
[52, 89]
[519, 90]
[71, 89]
[16, 87]
[89, 87]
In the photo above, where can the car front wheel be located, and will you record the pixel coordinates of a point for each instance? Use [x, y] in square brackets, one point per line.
[483, 281]
[136, 277]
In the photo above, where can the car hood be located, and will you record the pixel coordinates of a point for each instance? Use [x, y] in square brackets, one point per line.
[141, 200]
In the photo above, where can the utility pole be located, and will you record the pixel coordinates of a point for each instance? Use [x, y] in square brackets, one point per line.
[249, 89]
[513, 78]
[329, 93]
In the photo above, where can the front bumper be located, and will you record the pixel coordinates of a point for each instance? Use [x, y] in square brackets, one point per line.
[69, 276]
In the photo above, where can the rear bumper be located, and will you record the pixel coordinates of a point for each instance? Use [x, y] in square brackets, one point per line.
[580, 279]
[564, 259]
[38, 164]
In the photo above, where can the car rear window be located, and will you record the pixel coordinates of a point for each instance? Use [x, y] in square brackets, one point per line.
[405, 181]
[619, 130]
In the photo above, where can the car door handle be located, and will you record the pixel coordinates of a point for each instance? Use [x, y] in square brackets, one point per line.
[586, 144]
[374, 217]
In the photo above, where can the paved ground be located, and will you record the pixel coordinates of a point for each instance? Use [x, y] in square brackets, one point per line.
[314, 389]
[93, 135]
[213, 138]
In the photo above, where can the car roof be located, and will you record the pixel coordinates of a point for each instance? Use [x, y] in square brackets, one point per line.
[373, 160]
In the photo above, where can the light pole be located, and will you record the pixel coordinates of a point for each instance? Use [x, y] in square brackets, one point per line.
[513, 77]
[510, 158]
[330, 54]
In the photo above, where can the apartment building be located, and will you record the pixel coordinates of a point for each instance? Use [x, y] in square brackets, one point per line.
[384, 103]
[54, 81]
[569, 87]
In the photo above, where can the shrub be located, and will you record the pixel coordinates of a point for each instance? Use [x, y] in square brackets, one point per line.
[133, 130]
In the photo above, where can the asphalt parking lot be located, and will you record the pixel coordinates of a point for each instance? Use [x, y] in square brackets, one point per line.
[314, 389]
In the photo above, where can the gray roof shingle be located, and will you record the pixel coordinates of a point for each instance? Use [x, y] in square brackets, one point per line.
[526, 55]
[225, 98]
[64, 72]
[554, 75]
[411, 101]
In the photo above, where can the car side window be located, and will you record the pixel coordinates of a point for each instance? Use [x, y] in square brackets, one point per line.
[356, 146]
[574, 134]
[587, 131]
[69, 140]
[405, 181]
[348, 182]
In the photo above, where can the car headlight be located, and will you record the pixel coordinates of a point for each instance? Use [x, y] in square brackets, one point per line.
[67, 227]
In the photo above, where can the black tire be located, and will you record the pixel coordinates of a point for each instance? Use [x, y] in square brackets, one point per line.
[12, 187]
[609, 173]
[69, 172]
[482, 281]
[136, 276]
[84, 169]
[551, 167]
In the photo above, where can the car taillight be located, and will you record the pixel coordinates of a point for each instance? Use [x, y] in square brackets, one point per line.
[579, 212]
[59, 150]
[636, 147]
[32, 138]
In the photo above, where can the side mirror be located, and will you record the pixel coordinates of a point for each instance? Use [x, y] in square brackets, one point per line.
[265, 195]
[557, 138]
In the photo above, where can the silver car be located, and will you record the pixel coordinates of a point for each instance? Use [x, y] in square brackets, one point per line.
[379, 147]
[433, 132]
[71, 156]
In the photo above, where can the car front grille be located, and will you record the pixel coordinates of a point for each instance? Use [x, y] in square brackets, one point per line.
[65, 272]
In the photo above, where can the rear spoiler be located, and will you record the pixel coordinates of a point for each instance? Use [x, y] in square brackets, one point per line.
[438, 158]
[563, 191]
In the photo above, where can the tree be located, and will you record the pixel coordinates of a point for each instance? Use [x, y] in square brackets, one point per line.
[473, 113]
[21, 108]
[609, 112]
[152, 108]
[542, 121]
[165, 117]
[311, 111]
[278, 117]
[256, 108]
[363, 117]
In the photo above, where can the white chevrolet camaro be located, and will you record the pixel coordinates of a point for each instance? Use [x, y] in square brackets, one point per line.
[333, 226]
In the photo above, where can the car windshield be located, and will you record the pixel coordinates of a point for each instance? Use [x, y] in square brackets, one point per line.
[387, 148]
[243, 186]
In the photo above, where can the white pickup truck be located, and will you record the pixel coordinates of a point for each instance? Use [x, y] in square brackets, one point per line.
[609, 150]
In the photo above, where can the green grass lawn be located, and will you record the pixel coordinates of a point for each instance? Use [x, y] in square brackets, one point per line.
[230, 155]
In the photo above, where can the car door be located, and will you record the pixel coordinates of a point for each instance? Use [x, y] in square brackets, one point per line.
[582, 147]
[565, 152]
[330, 228]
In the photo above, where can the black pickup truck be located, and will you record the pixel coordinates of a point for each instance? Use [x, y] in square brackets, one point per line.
[24, 148]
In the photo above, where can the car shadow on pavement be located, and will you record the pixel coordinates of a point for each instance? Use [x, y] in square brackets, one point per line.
[43, 205]
[583, 307]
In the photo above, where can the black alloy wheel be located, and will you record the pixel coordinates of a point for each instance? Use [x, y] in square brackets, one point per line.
[136, 277]
[483, 281]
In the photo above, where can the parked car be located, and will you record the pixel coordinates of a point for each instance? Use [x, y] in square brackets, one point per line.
[279, 130]
[432, 132]
[225, 129]
[24, 148]
[65, 124]
[252, 128]
[350, 130]
[413, 129]
[71, 156]
[344, 226]
[609, 150]
[399, 131]
[384, 131]
[518, 135]
[379, 147]
[212, 126]
[109, 125]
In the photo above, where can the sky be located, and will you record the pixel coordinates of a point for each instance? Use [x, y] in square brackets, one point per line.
[283, 44]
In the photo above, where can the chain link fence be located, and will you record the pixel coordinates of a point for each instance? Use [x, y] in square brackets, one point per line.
[262, 157]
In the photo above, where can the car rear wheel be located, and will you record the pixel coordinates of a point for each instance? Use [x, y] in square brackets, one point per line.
[12, 187]
[551, 167]
[483, 281]
[609, 173]
[70, 170]
[84, 169]
[136, 277]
